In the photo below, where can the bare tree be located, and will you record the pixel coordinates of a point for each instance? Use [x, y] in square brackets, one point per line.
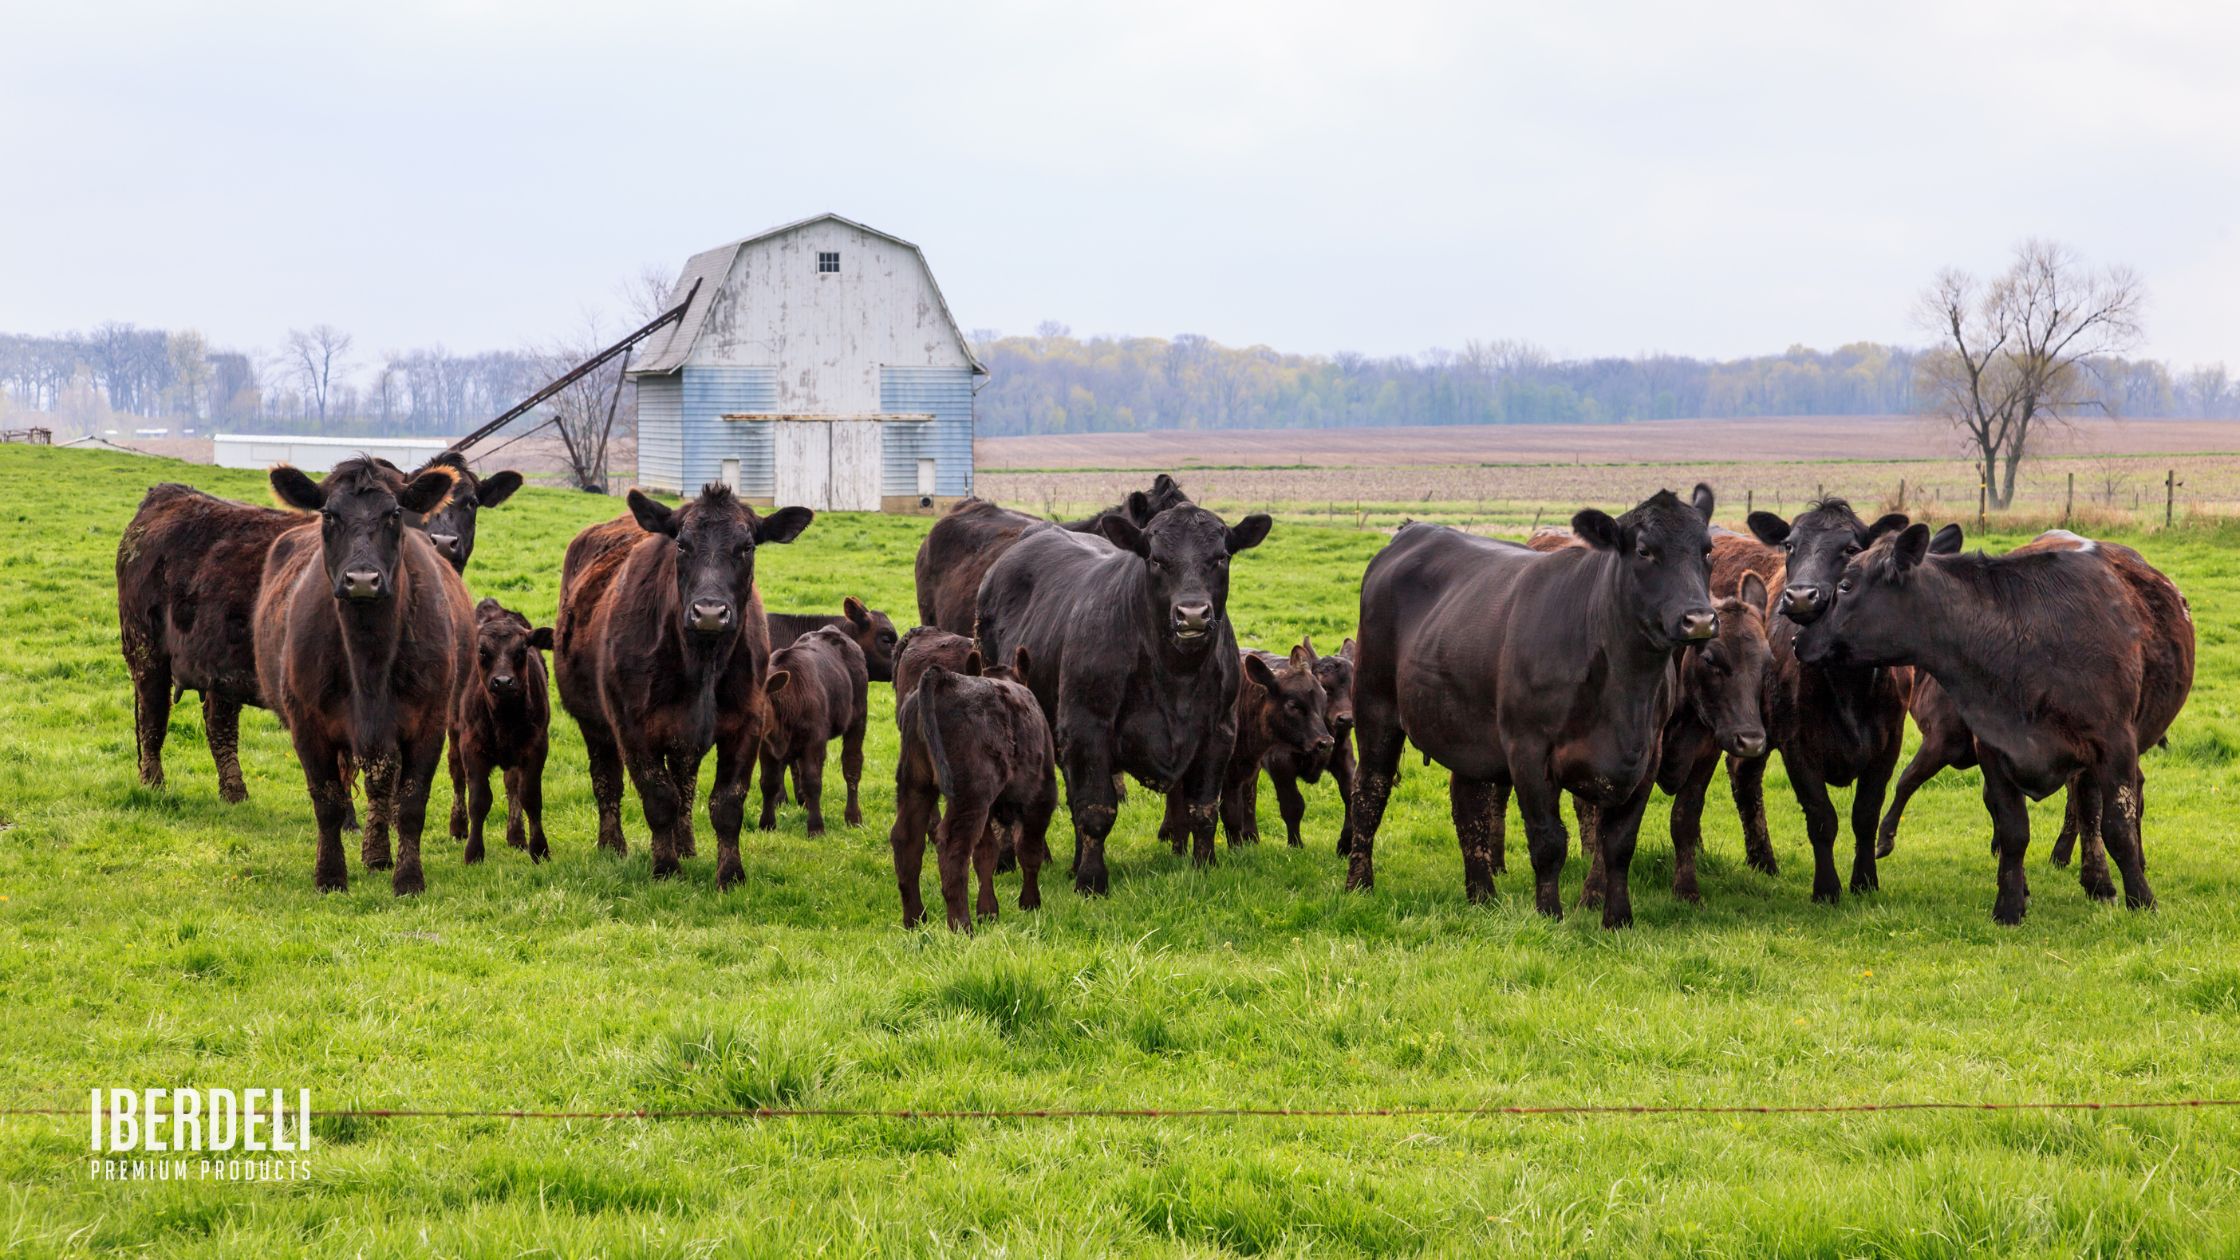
[587, 412]
[2018, 352]
[316, 356]
[646, 294]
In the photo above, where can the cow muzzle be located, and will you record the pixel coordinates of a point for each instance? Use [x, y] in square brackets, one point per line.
[448, 544]
[1698, 625]
[709, 617]
[1748, 744]
[1191, 622]
[361, 584]
[1803, 604]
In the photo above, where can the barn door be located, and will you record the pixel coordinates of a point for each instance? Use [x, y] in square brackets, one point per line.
[804, 449]
[856, 467]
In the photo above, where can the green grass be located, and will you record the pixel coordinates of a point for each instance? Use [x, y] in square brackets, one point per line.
[163, 938]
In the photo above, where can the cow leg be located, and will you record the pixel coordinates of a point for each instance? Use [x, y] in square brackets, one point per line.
[851, 769]
[1201, 786]
[1092, 797]
[329, 797]
[1687, 828]
[221, 725]
[684, 771]
[1618, 827]
[458, 791]
[1240, 809]
[348, 770]
[2118, 789]
[478, 807]
[1746, 778]
[1341, 774]
[963, 824]
[516, 836]
[1497, 826]
[1174, 826]
[1292, 804]
[2065, 844]
[380, 776]
[1378, 742]
[657, 796]
[415, 775]
[773, 786]
[1591, 888]
[606, 786]
[2084, 807]
[1541, 803]
[808, 780]
[1007, 846]
[727, 807]
[915, 807]
[1866, 811]
[1820, 825]
[984, 867]
[151, 703]
[1928, 762]
[2010, 837]
[1034, 843]
[525, 788]
[1470, 803]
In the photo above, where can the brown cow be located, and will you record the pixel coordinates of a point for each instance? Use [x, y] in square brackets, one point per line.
[2167, 660]
[872, 630]
[188, 570]
[500, 721]
[920, 650]
[660, 651]
[1285, 770]
[976, 751]
[361, 629]
[818, 691]
[1280, 708]
[2046, 655]
[964, 544]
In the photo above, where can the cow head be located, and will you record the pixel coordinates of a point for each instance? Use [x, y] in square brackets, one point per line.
[361, 508]
[1335, 673]
[713, 539]
[1662, 549]
[1165, 492]
[873, 631]
[1185, 552]
[451, 528]
[1725, 677]
[1880, 607]
[506, 648]
[1817, 545]
[1293, 708]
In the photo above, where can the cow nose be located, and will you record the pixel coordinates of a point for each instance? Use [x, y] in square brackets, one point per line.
[1698, 625]
[710, 616]
[1325, 744]
[502, 681]
[1192, 616]
[1751, 745]
[446, 542]
[1803, 603]
[361, 584]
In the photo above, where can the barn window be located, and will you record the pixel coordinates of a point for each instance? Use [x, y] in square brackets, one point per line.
[828, 264]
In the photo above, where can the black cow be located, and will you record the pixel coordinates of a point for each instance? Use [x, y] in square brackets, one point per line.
[1280, 708]
[872, 630]
[2049, 657]
[1569, 652]
[501, 720]
[961, 547]
[1287, 769]
[1133, 661]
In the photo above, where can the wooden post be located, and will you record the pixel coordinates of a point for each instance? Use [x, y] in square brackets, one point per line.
[1901, 494]
[1749, 501]
[2069, 512]
[2169, 498]
[1983, 503]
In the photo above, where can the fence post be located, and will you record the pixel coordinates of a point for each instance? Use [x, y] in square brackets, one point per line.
[1749, 501]
[2169, 497]
[1901, 494]
[2070, 511]
[1983, 503]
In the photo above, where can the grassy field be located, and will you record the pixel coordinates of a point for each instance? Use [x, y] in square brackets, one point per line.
[164, 938]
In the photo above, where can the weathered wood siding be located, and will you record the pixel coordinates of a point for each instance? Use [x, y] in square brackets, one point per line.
[947, 393]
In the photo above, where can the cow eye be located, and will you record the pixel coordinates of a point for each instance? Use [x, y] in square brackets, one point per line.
[683, 548]
[1646, 552]
[1851, 550]
[1844, 587]
[326, 515]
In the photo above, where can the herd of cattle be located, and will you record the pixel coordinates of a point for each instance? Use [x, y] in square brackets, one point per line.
[1620, 656]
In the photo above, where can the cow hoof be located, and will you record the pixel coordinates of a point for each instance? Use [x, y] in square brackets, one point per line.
[1763, 863]
[540, 852]
[1827, 896]
[2102, 890]
[376, 861]
[730, 876]
[1614, 918]
[2008, 911]
[1886, 846]
[230, 793]
[1250, 837]
[2140, 903]
[1548, 903]
[664, 870]
[854, 816]
[1687, 893]
[515, 840]
[331, 882]
[407, 881]
[474, 855]
[1590, 899]
[1865, 882]
[1478, 895]
[1030, 901]
[816, 829]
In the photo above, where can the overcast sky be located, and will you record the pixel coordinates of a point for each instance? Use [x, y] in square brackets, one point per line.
[1382, 177]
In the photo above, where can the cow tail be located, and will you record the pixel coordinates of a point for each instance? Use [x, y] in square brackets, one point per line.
[929, 727]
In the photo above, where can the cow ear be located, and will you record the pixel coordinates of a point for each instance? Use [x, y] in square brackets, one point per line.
[541, 638]
[1307, 641]
[1753, 590]
[1703, 501]
[856, 612]
[1249, 532]
[1598, 529]
[1019, 662]
[972, 665]
[488, 607]
[1887, 523]
[1911, 546]
[1947, 541]
[1257, 670]
[1770, 529]
[777, 681]
[1164, 485]
[653, 518]
[1350, 650]
[1303, 655]
[1123, 533]
[297, 490]
[783, 525]
[426, 493]
[1139, 507]
[497, 488]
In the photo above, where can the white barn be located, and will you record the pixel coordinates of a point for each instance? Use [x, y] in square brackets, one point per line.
[817, 365]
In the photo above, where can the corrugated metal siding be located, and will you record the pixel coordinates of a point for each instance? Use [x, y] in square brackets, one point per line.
[710, 393]
[661, 433]
[947, 393]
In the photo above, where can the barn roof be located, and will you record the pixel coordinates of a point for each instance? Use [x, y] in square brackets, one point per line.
[667, 350]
